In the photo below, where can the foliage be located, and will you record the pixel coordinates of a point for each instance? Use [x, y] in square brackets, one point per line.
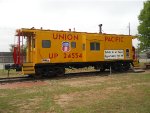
[11, 47]
[22, 48]
[144, 27]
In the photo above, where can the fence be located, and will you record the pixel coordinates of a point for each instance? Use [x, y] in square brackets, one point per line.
[6, 58]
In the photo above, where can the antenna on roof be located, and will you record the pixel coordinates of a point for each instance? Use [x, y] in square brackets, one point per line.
[100, 28]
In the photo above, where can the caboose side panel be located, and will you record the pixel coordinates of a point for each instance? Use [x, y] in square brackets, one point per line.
[59, 47]
[117, 47]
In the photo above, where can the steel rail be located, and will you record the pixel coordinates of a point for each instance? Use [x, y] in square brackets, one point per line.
[14, 79]
[65, 76]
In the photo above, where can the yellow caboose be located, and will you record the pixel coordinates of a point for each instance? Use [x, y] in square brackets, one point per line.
[49, 52]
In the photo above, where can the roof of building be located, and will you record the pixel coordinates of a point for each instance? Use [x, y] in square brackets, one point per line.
[6, 54]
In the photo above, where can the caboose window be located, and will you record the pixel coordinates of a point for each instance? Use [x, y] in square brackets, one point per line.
[95, 46]
[46, 43]
[127, 53]
[92, 47]
[73, 44]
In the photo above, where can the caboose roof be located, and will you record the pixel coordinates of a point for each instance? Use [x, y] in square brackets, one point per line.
[32, 31]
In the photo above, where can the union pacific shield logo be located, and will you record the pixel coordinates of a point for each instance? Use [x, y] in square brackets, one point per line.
[65, 46]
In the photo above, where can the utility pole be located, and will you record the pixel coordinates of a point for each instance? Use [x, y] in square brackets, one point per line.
[129, 28]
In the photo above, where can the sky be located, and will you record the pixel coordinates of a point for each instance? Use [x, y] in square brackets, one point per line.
[83, 15]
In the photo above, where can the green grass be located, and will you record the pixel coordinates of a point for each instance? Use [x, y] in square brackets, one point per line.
[120, 93]
[120, 102]
[12, 73]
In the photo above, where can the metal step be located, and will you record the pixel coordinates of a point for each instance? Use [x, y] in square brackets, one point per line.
[137, 69]
[28, 64]
[136, 63]
[28, 72]
[28, 68]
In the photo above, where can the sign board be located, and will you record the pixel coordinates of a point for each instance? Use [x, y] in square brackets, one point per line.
[46, 60]
[113, 54]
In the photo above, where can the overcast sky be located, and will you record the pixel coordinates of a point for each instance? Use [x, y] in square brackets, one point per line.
[83, 15]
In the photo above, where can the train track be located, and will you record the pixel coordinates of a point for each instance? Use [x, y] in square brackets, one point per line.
[67, 75]
[15, 79]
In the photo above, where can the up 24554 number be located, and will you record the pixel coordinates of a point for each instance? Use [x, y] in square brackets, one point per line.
[72, 55]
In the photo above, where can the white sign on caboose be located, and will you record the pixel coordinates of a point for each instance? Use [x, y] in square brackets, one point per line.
[113, 54]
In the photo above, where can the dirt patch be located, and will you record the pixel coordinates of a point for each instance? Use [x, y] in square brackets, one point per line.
[147, 71]
[138, 84]
[64, 99]
[22, 84]
[83, 98]
[86, 81]
[29, 105]
[86, 98]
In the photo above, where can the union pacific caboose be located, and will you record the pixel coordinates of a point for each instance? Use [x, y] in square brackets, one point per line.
[49, 52]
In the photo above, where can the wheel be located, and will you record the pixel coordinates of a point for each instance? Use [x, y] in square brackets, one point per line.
[60, 71]
[118, 67]
[102, 69]
[126, 66]
[49, 71]
[38, 72]
[31, 75]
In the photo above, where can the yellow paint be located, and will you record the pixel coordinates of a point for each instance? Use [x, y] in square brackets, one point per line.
[107, 42]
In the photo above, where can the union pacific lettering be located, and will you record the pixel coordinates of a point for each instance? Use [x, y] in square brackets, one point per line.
[65, 36]
[113, 39]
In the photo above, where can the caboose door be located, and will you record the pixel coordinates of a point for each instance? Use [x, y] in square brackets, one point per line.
[31, 49]
[94, 48]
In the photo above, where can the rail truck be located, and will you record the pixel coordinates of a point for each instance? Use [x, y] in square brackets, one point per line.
[49, 52]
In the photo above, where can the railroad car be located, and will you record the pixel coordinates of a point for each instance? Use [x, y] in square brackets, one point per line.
[49, 52]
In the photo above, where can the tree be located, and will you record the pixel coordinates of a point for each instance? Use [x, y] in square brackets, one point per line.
[11, 47]
[144, 26]
[21, 49]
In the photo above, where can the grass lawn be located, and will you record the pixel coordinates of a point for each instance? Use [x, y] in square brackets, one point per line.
[12, 73]
[118, 93]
